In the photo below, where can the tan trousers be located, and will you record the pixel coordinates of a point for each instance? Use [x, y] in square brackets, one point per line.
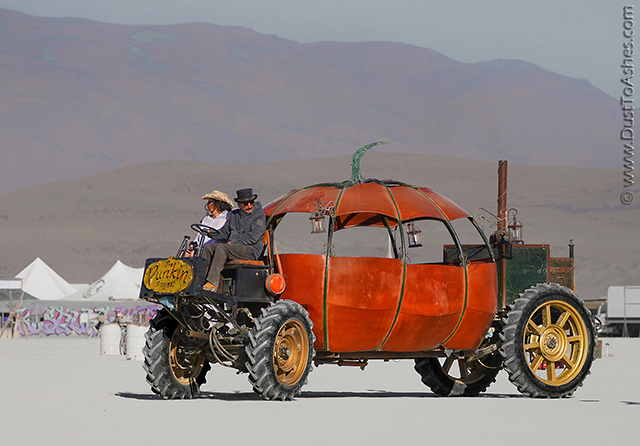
[218, 253]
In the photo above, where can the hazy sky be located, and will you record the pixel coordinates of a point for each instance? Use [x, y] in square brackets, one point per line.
[577, 38]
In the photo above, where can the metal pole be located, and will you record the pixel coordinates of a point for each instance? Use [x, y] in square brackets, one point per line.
[502, 227]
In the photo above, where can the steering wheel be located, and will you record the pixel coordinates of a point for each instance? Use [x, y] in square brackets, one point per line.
[202, 229]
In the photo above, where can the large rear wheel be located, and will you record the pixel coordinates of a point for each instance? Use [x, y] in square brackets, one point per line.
[548, 342]
[280, 351]
[174, 370]
[451, 376]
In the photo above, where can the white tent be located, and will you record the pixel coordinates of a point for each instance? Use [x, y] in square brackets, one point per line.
[121, 282]
[39, 280]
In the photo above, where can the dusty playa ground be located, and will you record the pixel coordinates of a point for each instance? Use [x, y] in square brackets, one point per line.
[61, 391]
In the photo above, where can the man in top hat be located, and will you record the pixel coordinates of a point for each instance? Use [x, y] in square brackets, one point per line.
[239, 238]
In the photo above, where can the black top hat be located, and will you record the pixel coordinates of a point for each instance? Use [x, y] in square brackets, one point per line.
[245, 195]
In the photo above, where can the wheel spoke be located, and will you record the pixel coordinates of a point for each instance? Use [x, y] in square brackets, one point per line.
[447, 364]
[536, 363]
[551, 371]
[574, 339]
[533, 347]
[568, 363]
[546, 315]
[462, 365]
[533, 327]
[564, 317]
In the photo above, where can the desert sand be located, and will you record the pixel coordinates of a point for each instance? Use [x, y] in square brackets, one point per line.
[61, 391]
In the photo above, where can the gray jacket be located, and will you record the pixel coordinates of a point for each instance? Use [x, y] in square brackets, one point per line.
[242, 228]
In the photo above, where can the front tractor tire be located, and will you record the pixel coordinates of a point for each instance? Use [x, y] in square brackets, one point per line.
[548, 342]
[280, 351]
[173, 371]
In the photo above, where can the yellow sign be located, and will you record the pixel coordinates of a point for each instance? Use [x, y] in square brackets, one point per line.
[168, 276]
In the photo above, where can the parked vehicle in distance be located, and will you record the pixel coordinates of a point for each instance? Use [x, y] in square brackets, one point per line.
[389, 271]
[620, 315]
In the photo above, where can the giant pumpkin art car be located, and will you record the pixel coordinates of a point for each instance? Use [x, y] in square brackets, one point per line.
[419, 281]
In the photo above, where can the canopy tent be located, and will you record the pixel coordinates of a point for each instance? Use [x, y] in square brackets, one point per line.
[39, 280]
[121, 282]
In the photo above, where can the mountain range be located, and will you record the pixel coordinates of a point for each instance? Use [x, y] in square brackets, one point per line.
[79, 97]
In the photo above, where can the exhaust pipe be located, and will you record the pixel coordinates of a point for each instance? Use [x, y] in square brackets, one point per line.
[502, 196]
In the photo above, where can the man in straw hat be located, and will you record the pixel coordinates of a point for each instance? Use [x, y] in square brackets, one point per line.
[239, 238]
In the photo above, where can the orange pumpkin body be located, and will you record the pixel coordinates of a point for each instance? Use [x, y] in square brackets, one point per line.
[382, 304]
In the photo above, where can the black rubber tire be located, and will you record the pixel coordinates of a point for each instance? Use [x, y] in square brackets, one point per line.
[157, 363]
[526, 363]
[267, 376]
[480, 374]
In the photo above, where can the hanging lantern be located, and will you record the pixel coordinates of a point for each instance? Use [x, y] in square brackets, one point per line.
[415, 239]
[317, 220]
[515, 229]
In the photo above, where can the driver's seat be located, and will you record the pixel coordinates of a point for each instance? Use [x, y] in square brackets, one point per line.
[237, 262]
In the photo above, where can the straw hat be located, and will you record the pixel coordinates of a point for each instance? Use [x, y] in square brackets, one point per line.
[219, 196]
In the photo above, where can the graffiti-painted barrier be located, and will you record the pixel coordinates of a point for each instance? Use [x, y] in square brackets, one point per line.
[76, 318]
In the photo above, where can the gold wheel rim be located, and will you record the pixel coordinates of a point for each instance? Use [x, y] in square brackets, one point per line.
[555, 343]
[185, 366]
[291, 352]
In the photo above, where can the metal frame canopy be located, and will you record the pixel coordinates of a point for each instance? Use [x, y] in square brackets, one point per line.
[360, 202]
